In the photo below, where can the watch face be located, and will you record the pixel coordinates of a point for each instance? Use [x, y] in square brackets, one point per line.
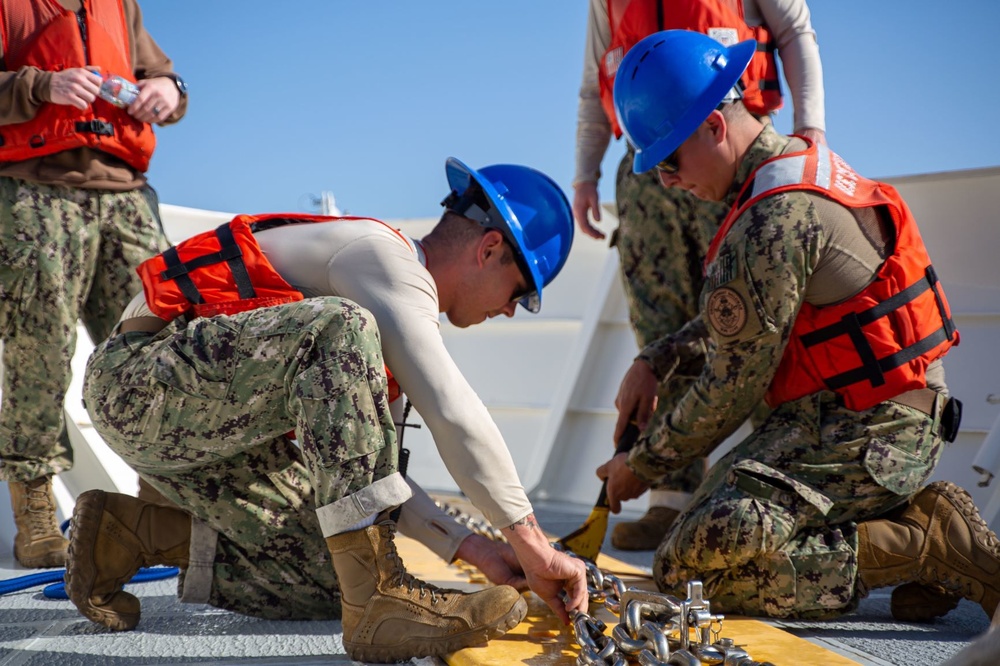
[181, 85]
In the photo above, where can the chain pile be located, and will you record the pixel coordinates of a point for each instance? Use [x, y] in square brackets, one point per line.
[654, 629]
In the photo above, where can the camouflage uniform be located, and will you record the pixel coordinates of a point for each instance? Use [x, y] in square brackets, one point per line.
[201, 409]
[65, 254]
[662, 239]
[773, 530]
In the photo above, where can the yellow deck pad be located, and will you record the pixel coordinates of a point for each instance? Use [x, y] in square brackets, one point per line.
[541, 639]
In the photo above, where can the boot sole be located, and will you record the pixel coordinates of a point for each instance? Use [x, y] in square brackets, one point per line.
[424, 647]
[921, 607]
[81, 570]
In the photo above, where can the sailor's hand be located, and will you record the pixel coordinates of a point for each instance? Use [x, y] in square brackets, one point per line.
[549, 572]
[585, 200]
[496, 560]
[157, 100]
[561, 573]
[623, 484]
[74, 87]
[636, 398]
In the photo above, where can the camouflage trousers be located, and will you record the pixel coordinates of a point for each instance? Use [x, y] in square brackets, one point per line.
[65, 255]
[663, 236]
[773, 530]
[201, 410]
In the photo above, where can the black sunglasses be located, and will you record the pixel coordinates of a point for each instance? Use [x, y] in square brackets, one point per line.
[669, 164]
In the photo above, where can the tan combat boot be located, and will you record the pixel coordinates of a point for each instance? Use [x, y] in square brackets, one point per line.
[913, 602]
[388, 615]
[645, 533]
[939, 540]
[39, 543]
[112, 536]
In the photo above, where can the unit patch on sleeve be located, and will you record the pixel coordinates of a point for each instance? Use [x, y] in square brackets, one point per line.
[727, 312]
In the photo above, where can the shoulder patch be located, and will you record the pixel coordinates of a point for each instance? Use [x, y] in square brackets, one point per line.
[727, 311]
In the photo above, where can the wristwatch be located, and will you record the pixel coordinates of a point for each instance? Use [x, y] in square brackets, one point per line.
[182, 87]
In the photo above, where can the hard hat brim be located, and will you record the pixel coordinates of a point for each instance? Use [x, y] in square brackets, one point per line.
[460, 177]
[738, 57]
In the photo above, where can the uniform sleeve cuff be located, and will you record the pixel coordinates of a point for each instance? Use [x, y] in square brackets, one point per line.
[645, 465]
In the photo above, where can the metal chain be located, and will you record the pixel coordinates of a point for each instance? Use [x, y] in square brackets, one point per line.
[654, 629]
[478, 526]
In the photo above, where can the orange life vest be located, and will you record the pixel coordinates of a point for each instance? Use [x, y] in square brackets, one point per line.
[40, 33]
[224, 271]
[878, 343]
[631, 20]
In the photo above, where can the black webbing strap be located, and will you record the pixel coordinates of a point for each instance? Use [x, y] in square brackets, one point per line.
[272, 222]
[770, 46]
[229, 252]
[870, 368]
[949, 323]
[866, 317]
[873, 369]
[234, 257]
[659, 16]
[888, 363]
[184, 281]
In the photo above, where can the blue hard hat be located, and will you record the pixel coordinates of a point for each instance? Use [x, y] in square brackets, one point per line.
[668, 84]
[526, 206]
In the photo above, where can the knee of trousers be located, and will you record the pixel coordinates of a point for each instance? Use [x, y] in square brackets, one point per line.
[725, 532]
[758, 562]
[339, 319]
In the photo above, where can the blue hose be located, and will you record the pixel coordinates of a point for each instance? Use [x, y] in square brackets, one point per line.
[31, 580]
[57, 588]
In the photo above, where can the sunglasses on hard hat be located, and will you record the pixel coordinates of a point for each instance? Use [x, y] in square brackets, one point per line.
[669, 164]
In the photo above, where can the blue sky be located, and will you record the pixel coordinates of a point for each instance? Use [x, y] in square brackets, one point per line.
[368, 98]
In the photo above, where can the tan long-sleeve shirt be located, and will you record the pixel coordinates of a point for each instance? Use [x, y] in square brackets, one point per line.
[370, 264]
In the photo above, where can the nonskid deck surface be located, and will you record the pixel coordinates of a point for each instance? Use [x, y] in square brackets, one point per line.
[37, 631]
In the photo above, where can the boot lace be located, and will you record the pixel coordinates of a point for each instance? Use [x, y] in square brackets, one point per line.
[412, 583]
[40, 510]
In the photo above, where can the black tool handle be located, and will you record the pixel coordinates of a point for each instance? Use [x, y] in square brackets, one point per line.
[625, 444]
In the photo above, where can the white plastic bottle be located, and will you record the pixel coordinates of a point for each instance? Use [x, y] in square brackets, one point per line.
[118, 91]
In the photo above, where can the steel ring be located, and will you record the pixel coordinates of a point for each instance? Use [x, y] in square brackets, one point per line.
[156, 110]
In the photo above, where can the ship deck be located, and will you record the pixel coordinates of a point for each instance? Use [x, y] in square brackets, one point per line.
[38, 631]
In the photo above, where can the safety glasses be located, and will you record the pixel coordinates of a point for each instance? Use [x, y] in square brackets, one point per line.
[669, 165]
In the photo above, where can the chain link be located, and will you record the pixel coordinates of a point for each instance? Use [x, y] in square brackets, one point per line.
[654, 629]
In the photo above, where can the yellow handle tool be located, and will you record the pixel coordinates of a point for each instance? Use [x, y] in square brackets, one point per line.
[586, 540]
